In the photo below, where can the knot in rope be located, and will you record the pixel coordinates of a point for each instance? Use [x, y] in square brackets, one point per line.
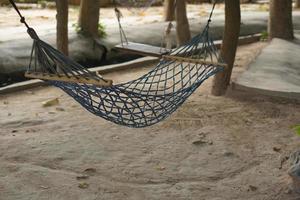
[22, 20]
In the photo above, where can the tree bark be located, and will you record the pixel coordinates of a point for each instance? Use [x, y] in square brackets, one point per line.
[280, 20]
[89, 17]
[297, 4]
[183, 33]
[62, 39]
[169, 10]
[229, 46]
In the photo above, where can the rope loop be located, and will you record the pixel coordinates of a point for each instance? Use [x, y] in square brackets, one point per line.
[31, 32]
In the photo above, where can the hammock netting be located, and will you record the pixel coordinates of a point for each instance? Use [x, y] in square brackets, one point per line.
[141, 102]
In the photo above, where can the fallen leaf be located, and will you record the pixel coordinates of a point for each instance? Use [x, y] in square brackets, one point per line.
[51, 102]
[29, 92]
[115, 137]
[90, 171]
[60, 109]
[83, 185]
[202, 142]
[44, 17]
[276, 149]
[82, 177]
[228, 154]
[297, 129]
[44, 187]
[160, 168]
[252, 188]
[199, 142]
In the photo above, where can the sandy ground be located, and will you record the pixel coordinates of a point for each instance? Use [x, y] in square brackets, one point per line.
[214, 148]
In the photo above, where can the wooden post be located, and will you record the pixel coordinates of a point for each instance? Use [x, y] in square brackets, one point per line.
[229, 45]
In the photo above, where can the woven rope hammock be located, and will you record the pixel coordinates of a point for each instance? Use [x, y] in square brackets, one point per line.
[137, 103]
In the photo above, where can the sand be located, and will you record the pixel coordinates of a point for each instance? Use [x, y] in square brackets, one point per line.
[213, 148]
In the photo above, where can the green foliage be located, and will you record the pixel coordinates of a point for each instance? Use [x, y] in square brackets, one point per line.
[42, 3]
[264, 36]
[76, 27]
[297, 129]
[101, 29]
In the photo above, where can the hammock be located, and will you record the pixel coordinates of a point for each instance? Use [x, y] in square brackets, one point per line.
[137, 103]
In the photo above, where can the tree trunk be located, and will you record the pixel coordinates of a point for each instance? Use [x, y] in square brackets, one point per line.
[229, 45]
[280, 21]
[89, 17]
[169, 10]
[297, 4]
[183, 33]
[62, 26]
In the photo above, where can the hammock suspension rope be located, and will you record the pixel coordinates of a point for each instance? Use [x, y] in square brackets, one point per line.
[141, 102]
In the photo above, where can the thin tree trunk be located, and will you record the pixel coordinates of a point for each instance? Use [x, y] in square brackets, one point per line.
[169, 10]
[297, 4]
[183, 33]
[280, 21]
[229, 45]
[89, 17]
[62, 26]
